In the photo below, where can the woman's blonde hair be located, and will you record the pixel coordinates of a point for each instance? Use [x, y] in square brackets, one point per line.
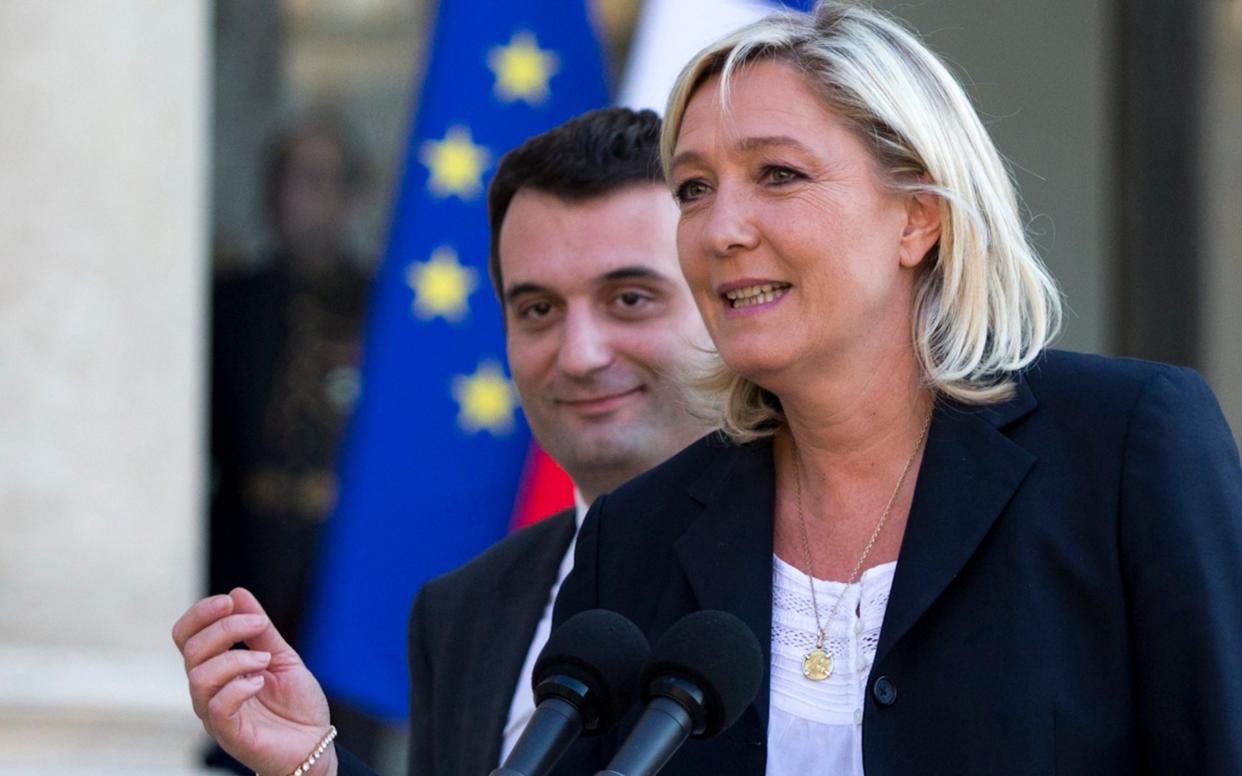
[985, 306]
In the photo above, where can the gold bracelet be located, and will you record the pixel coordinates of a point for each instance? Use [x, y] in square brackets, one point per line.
[324, 743]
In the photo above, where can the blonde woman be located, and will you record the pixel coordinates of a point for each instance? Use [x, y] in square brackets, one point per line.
[964, 552]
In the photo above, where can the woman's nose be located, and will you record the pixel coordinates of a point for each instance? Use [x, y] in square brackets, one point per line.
[730, 226]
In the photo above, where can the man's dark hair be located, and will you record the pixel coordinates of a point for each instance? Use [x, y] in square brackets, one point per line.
[589, 155]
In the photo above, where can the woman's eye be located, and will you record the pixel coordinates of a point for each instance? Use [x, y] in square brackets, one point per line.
[690, 191]
[781, 175]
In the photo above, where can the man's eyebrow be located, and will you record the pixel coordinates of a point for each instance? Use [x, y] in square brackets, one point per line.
[637, 272]
[746, 144]
[522, 289]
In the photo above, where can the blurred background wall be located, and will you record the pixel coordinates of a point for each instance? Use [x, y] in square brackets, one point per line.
[134, 143]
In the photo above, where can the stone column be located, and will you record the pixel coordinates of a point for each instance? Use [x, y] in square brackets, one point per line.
[103, 152]
[1221, 175]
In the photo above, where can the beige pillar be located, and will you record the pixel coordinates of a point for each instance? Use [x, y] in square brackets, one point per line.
[1221, 155]
[103, 151]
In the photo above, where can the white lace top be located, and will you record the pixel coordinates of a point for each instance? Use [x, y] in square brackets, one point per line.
[816, 727]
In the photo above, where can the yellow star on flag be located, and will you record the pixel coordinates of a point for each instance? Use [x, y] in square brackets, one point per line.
[522, 69]
[441, 286]
[486, 400]
[456, 164]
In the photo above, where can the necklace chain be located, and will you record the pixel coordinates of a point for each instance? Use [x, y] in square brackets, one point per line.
[822, 628]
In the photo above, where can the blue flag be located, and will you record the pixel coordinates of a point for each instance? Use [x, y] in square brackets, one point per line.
[436, 446]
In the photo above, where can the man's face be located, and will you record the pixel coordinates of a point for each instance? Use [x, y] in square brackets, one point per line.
[598, 321]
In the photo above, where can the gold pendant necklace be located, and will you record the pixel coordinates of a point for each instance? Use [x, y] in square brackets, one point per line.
[817, 664]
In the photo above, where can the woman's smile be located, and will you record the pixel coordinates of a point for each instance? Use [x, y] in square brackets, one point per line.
[747, 296]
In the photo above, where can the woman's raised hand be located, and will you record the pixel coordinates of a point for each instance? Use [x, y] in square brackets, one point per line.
[261, 704]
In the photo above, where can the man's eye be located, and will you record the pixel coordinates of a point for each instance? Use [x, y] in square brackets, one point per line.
[633, 303]
[535, 310]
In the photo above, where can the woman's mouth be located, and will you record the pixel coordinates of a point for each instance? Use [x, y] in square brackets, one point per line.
[749, 296]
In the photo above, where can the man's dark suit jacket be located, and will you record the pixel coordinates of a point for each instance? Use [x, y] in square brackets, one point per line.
[1068, 594]
[470, 631]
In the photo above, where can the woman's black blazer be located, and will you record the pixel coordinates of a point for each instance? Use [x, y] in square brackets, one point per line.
[1067, 600]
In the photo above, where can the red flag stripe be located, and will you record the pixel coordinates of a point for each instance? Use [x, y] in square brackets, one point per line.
[545, 489]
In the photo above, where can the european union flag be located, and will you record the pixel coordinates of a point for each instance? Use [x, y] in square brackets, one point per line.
[437, 443]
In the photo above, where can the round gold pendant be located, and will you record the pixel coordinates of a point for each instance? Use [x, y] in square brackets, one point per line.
[817, 665]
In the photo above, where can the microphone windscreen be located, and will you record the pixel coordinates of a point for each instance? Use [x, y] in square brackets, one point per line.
[604, 651]
[719, 653]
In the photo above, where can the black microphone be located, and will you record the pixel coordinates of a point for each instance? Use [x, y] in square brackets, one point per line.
[585, 679]
[702, 675]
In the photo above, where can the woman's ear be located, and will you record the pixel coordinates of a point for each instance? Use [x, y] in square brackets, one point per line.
[922, 229]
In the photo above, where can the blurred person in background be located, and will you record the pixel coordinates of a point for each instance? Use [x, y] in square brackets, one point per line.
[286, 346]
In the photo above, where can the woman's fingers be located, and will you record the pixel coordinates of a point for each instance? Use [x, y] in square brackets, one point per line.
[220, 635]
[199, 616]
[267, 639]
[211, 676]
[222, 708]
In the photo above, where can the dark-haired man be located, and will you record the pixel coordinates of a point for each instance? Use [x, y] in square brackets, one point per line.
[598, 321]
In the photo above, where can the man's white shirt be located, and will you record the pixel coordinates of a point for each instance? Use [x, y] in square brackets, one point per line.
[522, 706]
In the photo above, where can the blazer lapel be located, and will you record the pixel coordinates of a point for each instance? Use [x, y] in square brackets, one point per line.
[726, 553]
[969, 473]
